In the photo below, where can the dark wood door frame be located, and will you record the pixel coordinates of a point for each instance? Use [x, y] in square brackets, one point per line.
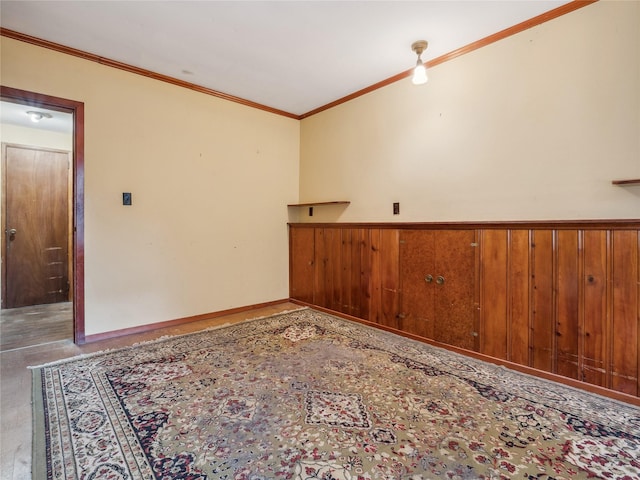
[77, 110]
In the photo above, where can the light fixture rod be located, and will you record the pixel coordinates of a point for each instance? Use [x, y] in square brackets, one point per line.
[419, 46]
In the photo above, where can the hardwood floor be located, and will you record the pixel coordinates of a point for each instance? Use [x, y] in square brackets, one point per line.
[39, 324]
[15, 387]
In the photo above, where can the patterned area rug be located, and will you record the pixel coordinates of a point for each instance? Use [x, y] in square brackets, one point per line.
[305, 395]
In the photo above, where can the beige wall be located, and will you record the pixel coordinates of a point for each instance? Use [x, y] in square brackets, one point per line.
[210, 181]
[532, 127]
[35, 137]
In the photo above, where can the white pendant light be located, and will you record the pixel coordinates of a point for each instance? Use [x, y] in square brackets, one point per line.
[420, 72]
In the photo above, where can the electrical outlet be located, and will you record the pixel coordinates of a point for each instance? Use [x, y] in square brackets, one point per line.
[126, 198]
[396, 208]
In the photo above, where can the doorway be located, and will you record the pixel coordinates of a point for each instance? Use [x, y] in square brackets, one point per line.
[36, 217]
[60, 271]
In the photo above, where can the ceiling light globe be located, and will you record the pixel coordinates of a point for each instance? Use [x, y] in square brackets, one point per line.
[420, 75]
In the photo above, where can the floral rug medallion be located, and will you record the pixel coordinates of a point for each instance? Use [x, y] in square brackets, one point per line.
[305, 395]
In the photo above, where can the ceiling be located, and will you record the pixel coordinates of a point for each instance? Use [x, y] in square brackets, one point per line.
[294, 56]
[16, 114]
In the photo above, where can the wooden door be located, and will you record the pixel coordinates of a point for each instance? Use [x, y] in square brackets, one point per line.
[384, 277]
[439, 285]
[417, 267]
[455, 284]
[36, 219]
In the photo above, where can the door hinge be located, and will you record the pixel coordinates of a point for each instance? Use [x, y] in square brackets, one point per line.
[474, 244]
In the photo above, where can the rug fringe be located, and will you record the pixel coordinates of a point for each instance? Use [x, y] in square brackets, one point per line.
[161, 339]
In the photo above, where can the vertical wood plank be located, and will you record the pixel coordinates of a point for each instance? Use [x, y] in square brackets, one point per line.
[417, 259]
[567, 288]
[542, 301]
[624, 325]
[519, 252]
[476, 290]
[365, 274]
[389, 277]
[355, 280]
[346, 268]
[494, 286]
[594, 323]
[301, 263]
[320, 289]
[334, 272]
[454, 299]
[375, 304]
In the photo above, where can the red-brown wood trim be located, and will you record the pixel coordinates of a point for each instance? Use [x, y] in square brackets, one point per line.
[139, 71]
[3, 224]
[631, 181]
[623, 397]
[507, 32]
[77, 109]
[97, 337]
[313, 204]
[359, 93]
[618, 224]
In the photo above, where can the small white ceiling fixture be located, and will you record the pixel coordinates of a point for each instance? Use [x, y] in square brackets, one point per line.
[37, 116]
[420, 72]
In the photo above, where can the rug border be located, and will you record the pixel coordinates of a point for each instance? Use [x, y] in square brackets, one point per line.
[160, 339]
[38, 437]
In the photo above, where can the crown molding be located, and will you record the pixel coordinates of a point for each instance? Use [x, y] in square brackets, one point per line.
[139, 71]
[545, 17]
[507, 32]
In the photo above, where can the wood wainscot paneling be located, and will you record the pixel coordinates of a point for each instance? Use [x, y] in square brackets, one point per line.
[565, 301]
[555, 297]
[353, 271]
[301, 264]
[624, 341]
